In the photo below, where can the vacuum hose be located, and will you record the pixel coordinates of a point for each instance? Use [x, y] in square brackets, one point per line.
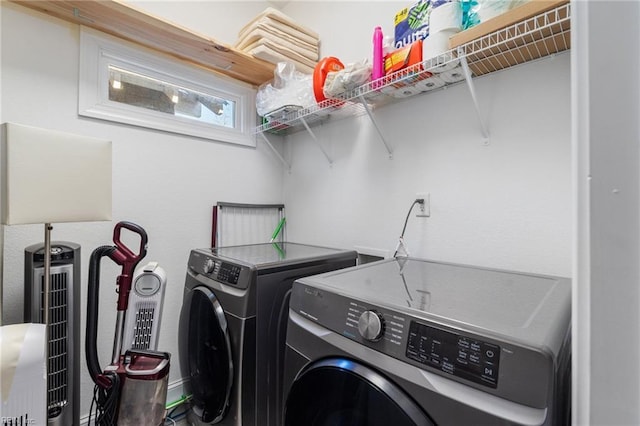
[91, 335]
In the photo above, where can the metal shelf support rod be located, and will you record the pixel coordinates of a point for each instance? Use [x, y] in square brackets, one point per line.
[315, 139]
[275, 151]
[375, 125]
[472, 91]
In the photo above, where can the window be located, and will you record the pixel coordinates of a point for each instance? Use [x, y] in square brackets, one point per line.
[129, 84]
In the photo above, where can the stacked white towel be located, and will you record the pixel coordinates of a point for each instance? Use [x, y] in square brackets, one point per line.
[275, 37]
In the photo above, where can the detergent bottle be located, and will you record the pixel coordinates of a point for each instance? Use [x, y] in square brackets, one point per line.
[378, 59]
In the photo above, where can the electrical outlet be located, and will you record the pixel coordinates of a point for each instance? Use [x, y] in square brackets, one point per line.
[424, 209]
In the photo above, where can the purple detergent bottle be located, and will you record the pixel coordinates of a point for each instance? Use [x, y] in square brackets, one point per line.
[378, 59]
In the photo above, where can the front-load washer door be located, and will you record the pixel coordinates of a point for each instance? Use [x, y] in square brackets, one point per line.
[207, 359]
[342, 392]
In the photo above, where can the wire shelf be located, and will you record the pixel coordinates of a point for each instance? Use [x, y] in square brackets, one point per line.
[542, 35]
[290, 118]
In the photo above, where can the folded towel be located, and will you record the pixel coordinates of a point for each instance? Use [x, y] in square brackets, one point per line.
[296, 57]
[273, 56]
[266, 30]
[259, 35]
[276, 15]
[280, 27]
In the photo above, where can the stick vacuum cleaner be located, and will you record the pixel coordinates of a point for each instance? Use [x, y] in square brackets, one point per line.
[132, 390]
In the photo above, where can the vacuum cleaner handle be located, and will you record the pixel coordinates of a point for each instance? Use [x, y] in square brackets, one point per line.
[126, 258]
[91, 337]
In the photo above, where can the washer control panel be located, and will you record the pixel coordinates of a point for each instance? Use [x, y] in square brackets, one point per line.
[454, 354]
[220, 271]
[228, 273]
[216, 269]
[428, 345]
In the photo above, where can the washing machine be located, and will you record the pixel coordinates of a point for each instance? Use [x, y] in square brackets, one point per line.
[413, 342]
[233, 327]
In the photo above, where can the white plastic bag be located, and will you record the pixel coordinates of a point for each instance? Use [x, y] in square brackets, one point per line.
[290, 88]
[347, 79]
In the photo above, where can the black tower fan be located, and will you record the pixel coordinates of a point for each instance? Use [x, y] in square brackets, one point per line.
[63, 383]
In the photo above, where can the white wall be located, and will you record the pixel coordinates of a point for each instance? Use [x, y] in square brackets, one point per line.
[505, 205]
[164, 182]
[607, 153]
[346, 27]
[218, 19]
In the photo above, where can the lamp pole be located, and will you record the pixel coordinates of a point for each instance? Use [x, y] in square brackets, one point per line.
[46, 293]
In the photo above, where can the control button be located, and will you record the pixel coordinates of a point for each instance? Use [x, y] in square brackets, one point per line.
[209, 266]
[371, 325]
[489, 353]
[447, 367]
[463, 344]
[489, 372]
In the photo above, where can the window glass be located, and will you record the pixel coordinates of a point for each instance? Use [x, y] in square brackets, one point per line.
[126, 83]
[147, 92]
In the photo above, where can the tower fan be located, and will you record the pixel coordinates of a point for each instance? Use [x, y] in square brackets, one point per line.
[63, 381]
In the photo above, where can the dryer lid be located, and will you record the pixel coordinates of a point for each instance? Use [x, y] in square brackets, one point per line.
[514, 304]
[277, 254]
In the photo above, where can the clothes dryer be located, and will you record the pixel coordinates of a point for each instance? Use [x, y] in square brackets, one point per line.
[409, 342]
[233, 327]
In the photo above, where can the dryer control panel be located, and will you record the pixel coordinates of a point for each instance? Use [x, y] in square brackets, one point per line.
[218, 270]
[221, 271]
[454, 354]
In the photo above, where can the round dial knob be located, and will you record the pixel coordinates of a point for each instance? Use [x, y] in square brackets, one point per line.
[371, 325]
[209, 266]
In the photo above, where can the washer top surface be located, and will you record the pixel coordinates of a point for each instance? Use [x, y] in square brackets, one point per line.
[512, 304]
[268, 255]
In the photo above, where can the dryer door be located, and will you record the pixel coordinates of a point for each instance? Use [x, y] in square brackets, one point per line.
[206, 354]
[338, 391]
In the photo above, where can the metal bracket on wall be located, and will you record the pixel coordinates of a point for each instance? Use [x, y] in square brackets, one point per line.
[275, 151]
[367, 108]
[315, 139]
[467, 76]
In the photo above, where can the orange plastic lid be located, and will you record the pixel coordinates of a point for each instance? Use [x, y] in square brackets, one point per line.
[324, 67]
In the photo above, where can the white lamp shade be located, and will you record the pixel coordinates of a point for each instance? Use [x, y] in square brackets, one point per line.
[53, 177]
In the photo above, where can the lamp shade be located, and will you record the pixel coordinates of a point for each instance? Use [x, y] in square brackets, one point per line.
[53, 177]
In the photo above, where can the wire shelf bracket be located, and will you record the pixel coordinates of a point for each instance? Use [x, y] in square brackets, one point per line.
[275, 151]
[367, 108]
[474, 98]
[315, 139]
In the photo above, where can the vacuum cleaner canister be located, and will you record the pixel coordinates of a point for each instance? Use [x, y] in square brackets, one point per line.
[145, 388]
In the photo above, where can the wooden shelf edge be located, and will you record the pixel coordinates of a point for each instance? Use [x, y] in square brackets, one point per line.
[126, 22]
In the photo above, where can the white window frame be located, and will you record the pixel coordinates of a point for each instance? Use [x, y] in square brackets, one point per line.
[98, 51]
